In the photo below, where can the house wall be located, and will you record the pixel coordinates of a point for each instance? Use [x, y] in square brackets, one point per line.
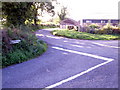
[63, 26]
[69, 22]
[66, 26]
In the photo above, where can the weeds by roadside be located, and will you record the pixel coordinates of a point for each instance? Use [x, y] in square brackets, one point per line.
[28, 47]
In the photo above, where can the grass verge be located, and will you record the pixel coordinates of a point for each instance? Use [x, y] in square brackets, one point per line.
[83, 35]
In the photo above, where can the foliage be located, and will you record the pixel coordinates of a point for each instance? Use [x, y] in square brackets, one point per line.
[28, 48]
[17, 13]
[43, 6]
[63, 13]
[94, 26]
[83, 35]
[41, 26]
[106, 29]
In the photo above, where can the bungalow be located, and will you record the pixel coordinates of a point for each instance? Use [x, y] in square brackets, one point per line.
[69, 24]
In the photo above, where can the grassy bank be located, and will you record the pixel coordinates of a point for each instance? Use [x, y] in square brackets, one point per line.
[29, 46]
[83, 35]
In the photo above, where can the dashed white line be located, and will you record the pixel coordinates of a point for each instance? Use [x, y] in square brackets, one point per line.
[53, 37]
[76, 45]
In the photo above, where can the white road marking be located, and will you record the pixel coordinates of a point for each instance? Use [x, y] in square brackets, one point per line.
[39, 35]
[65, 53]
[76, 45]
[82, 53]
[51, 29]
[77, 75]
[79, 43]
[107, 60]
[53, 37]
[111, 42]
[105, 45]
[65, 41]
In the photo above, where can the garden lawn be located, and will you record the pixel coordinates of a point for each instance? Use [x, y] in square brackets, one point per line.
[83, 35]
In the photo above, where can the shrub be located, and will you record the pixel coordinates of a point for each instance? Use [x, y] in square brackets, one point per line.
[111, 29]
[101, 31]
[28, 47]
[94, 26]
[106, 29]
[115, 30]
[17, 56]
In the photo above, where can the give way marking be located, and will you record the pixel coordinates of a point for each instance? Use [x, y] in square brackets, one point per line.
[107, 60]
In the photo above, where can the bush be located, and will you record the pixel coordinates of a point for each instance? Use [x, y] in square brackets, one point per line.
[106, 29]
[115, 30]
[94, 26]
[28, 47]
[17, 56]
[101, 31]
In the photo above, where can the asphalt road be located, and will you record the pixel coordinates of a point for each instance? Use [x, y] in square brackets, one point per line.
[68, 63]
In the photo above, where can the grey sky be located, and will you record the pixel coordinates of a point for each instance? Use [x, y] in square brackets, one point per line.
[94, 9]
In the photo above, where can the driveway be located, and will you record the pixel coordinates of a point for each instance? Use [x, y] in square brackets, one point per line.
[68, 63]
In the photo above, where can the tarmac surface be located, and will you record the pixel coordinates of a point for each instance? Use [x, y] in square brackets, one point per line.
[68, 63]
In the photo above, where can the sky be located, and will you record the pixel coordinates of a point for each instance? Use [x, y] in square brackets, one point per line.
[87, 9]
[91, 9]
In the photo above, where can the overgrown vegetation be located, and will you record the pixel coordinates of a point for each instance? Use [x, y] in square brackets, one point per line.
[28, 47]
[19, 21]
[98, 29]
[17, 13]
[83, 35]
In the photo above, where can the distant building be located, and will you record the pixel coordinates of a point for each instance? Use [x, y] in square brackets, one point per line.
[69, 24]
[101, 21]
[79, 25]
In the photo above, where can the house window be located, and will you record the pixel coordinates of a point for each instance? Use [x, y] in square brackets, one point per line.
[70, 27]
[88, 21]
[102, 21]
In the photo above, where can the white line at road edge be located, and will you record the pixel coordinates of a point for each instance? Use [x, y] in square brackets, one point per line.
[105, 45]
[81, 73]
[82, 53]
[77, 75]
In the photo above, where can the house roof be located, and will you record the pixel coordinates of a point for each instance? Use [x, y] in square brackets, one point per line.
[69, 21]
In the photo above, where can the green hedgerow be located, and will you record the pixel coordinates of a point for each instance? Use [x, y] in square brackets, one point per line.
[28, 48]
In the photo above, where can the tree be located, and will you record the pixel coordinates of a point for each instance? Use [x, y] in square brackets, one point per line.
[17, 13]
[63, 13]
[43, 6]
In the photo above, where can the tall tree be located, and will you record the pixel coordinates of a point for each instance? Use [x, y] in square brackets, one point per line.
[17, 12]
[63, 13]
[43, 6]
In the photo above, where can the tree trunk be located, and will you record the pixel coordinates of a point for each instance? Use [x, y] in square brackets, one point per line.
[35, 17]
